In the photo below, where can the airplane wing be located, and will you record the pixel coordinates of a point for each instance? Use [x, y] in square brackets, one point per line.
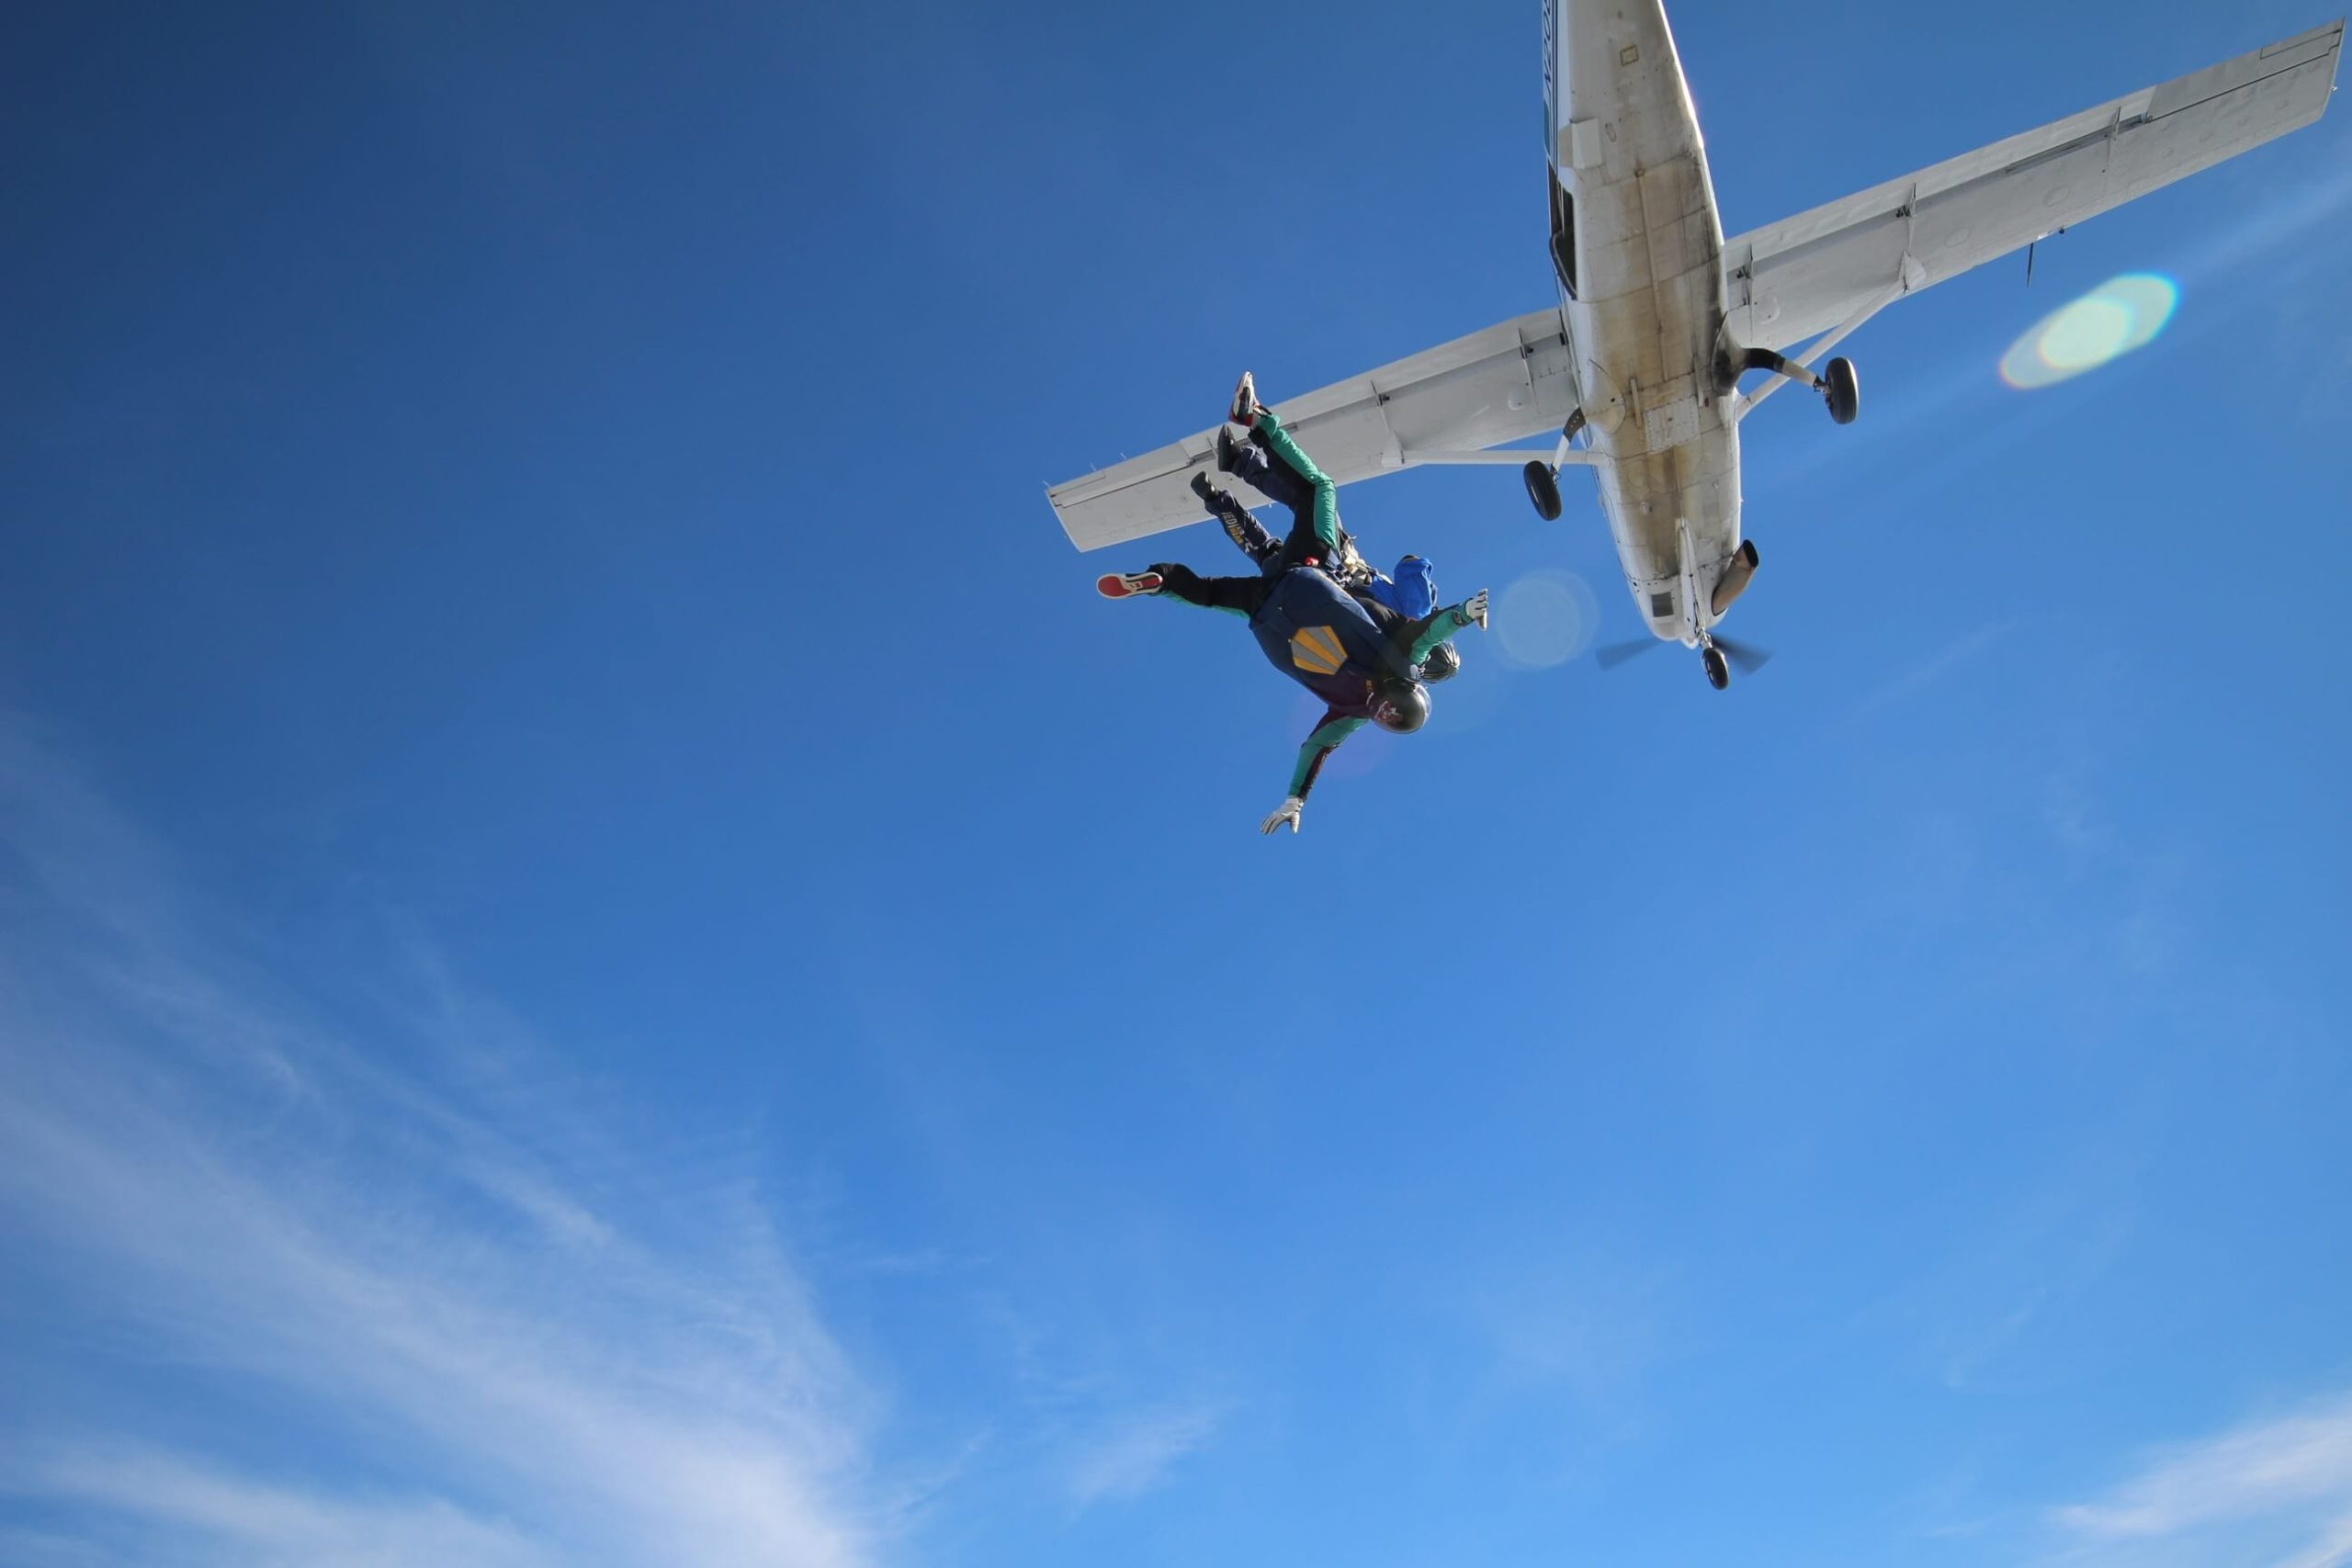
[1793, 280]
[1502, 384]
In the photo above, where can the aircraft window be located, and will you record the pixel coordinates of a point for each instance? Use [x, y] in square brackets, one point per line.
[1564, 233]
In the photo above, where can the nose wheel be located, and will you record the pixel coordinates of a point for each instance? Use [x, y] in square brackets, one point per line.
[1717, 667]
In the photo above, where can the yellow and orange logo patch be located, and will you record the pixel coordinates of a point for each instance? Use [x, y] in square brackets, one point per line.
[1317, 651]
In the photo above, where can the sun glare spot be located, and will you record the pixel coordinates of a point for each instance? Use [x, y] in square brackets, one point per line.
[2120, 315]
[1545, 618]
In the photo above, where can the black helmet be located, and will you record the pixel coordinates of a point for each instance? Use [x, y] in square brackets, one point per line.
[1401, 707]
[1442, 663]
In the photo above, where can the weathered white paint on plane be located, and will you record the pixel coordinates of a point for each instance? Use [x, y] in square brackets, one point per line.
[1639, 266]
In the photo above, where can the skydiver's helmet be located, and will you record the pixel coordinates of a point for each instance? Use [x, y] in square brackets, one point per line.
[1401, 707]
[1442, 663]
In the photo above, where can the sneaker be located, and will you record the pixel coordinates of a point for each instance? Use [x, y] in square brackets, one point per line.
[1244, 411]
[1208, 492]
[1228, 451]
[1127, 584]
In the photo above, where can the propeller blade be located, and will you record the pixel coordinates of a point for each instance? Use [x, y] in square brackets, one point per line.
[1746, 656]
[1616, 653]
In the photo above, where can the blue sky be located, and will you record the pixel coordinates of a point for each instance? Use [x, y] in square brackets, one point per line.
[609, 957]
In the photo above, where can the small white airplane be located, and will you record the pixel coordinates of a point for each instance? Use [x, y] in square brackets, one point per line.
[1659, 315]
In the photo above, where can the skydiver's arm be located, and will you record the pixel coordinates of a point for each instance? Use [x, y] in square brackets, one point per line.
[1320, 745]
[1439, 626]
[1327, 489]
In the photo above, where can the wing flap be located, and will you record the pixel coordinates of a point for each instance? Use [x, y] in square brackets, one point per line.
[1505, 383]
[1793, 280]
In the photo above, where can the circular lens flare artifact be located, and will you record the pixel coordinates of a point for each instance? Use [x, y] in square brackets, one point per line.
[1545, 618]
[2120, 315]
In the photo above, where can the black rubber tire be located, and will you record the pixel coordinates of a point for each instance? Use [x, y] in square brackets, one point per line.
[1542, 489]
[1843, 389]
[1718, 668]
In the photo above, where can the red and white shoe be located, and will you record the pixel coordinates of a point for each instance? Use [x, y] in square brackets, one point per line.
[1243, 410]
[1126, 584]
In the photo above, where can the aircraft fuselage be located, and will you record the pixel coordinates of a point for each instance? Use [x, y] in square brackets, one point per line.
[1637, 252]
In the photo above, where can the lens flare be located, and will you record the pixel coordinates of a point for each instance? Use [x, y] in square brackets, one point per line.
[1545, 618]
[2120, 315]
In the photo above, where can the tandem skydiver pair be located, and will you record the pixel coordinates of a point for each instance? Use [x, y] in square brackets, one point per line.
[1367, 645]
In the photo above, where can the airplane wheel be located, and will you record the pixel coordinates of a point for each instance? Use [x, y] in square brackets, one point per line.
[1843, 388]
[1542, 489]
[1718, 668]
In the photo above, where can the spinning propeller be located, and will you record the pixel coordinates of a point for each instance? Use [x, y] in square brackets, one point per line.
[1747, 657]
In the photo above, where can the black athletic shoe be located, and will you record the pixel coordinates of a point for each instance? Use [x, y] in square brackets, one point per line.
[1228, 450]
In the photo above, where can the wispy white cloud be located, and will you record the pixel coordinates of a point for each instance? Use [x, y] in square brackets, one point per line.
[1129, 1457]
[1910, 682]
[2288, 1478]
[192, 1513]
[485, 1333]
[2333, 1548]
[1588, 1324]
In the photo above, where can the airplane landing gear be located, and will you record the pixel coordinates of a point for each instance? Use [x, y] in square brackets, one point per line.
[1841, 389]
[1542, 489]
[1544, 479]
[1838, 384]
[1719, 655]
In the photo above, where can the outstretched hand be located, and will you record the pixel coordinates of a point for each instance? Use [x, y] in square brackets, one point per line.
[1472, 610]
[1286, 812]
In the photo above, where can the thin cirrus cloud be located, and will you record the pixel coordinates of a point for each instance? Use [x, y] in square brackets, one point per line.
[157, 1506]
[2278, 1492]
[435, 1316]
[1138, 1453]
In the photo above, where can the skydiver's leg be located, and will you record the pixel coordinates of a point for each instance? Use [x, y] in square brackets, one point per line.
[1312, 497]
[1240, 526]
[1322, 491]
[1240, 595]
[1252, 463]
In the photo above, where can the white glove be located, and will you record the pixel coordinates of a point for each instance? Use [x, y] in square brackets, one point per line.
[1286, 812]
[1472, 610]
